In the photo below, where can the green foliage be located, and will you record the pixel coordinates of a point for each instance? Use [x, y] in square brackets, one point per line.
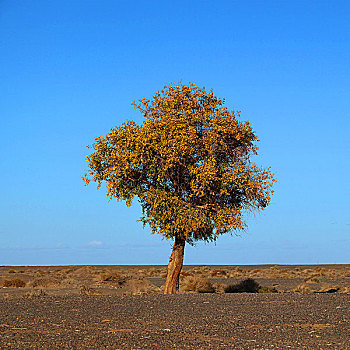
[188, 164]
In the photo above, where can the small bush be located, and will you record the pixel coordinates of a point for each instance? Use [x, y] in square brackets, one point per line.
[11, 271]
[247, 286]
[113, 276]
[219, 287]
[138, 286]
[302, 288]
[15, 282]
[198, 284]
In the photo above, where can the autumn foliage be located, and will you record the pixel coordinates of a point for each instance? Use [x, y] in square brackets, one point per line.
[188, 164]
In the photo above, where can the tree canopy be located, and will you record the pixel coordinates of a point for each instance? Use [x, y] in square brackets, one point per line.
[189, 165]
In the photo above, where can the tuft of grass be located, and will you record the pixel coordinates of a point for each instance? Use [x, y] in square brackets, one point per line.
[198, 284]
[113, 276]
[302, 288]
[15, 282]
[139, 286]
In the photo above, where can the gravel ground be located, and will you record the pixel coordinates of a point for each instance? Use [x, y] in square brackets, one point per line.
[184, 321]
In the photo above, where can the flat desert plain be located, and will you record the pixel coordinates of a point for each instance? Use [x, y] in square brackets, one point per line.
[122, 307]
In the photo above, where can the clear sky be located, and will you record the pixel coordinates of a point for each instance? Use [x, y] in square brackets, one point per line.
[69, 71]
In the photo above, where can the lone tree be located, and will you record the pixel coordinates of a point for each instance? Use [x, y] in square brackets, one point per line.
[189, 166]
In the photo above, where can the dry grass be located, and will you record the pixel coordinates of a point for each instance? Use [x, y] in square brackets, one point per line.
[137, 286]
[35, 293]
[14, 282]
[113, 277]
[86, 290]
[302, 288]
[219, 287]
[280, 272]
[219, 273]
[91, 280]
[44, 282]
[197, 284]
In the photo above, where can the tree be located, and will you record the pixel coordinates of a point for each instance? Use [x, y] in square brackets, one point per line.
[189, 166]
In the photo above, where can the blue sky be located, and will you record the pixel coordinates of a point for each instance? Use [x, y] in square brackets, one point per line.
[69, 71]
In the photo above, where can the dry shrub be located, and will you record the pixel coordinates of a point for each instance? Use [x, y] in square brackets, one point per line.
[86, 290]
[11, 271]
[247, 286]
[219, 287]
[302, 288]
[256, 273]
[321, 270]
[44, 282]
[236, 273]
[185, 274]
[153, 272]
[14, 282]
[113, 277]
[139, 286]
[200, 270]
[311, 279]
[218, 273]
[198, 284]
[267, 290]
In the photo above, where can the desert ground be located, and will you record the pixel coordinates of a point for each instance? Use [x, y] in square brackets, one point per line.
[122, 307]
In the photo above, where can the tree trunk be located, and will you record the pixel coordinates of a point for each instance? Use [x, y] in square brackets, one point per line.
[175, 266]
